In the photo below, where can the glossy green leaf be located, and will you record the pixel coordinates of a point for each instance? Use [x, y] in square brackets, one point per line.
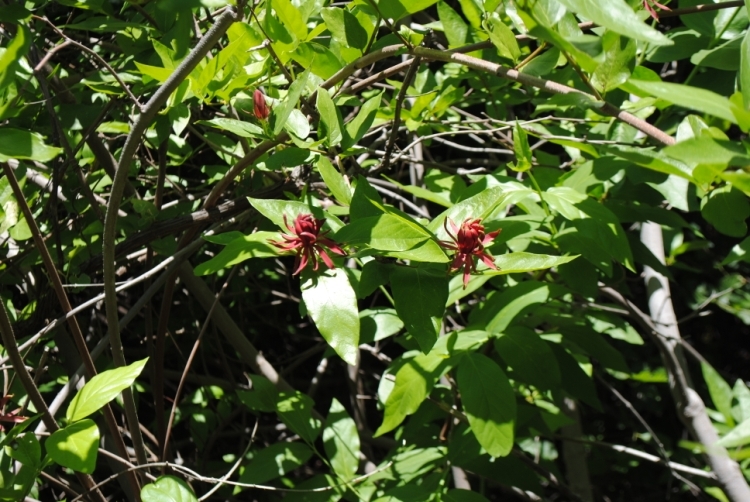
[102, 389]
[26, 449]
[617, 16]
[455, 28]
[25, 145]
[341, 441]
[329, 119]
[574, 380]
[332, 304]
[168, 489]
[720, 391]
[739, 436]
[14, 52]
[360, 124]
[378, 323]
[619, 55]
[262, 397]
[75, 446]
[502, 38]
[420, 295]
[692, 98]
[386, 232]
[275, 210]
[296, 410]
[396, 9]
[727, 208]
[744, 74]
[708, 156]
[255, 245]
[335, 181]
[291, 17]
[238, 127]
[524, 157]
[282, 112]
[345, 27]
[513, 263]
[502, 308]
[529, 356]
[723, 57]
[489, 403]
[596, 346]
[274, 461]
[652, 159]
[414, 381]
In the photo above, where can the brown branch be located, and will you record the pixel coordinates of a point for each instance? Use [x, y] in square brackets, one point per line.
[397, 113]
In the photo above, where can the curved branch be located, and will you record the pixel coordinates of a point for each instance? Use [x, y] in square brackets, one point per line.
[148, 113]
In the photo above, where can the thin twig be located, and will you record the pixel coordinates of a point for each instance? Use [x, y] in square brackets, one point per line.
[397, 113]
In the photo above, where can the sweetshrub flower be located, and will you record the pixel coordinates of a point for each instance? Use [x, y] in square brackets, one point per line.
[469, 241]
[649, 6]
[260, 108]
[11, 417]
[306, 240]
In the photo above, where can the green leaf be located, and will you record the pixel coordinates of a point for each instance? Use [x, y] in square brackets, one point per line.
[655, 160]
[25, 145]
[385, 232]
[238, 127]
[744, 74]
[378, 323]
[617, 16]
[692, 98]
[522, 150]
[529, 356]
[329, 118]
[708, 156]
[282, 112]
[503, 38]
[396, 9]
[414, 381]
[275, 210]
[720, 391]
[502, 308]
[262, 397]
[296, 410]
[341, 441]
[27, 450]
[419, 295]
[456, 30]
[618, 54]
[332, 304]
[358, 126]
[168, 489]
[513, 263]
[75, 446]
[724, 57]
[102, 389]
[596, 346]
[726, 208]
[292, 19]
[345, 27]
[489, 403]
[574, 380]
[335, 181]
[274, 461]
[256, 245]
[739, 436]
[14, 52]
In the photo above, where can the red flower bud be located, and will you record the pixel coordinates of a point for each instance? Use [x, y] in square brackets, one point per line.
[260, 108]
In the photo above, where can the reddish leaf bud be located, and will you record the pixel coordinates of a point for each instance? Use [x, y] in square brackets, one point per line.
[260, 108]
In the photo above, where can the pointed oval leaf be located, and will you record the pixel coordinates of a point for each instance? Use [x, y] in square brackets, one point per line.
[20, 144]
[332, 304]
[335, 181]
[530, 357]
[256, 245]
[489, 403]
[420, 295]
[296, 410]
[274, 461]
[75, 446]
[102, 389]
[512, 263]
[341, 441]
[168, 489]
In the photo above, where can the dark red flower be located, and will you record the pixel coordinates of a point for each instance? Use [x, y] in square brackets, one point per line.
[260, 108]
[649, 6]
[469, 241]
[307, 241]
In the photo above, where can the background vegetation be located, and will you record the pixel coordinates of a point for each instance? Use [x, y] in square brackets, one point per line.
[379, 250]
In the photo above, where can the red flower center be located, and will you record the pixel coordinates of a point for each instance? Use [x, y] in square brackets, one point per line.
[469, 241]
[306, 240]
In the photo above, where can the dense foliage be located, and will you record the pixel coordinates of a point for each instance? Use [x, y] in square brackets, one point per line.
[378, 250]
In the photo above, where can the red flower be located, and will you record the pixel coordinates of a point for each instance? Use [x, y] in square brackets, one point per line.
[307, 241]
[469, 241]
[260, 108]
[649, 6]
